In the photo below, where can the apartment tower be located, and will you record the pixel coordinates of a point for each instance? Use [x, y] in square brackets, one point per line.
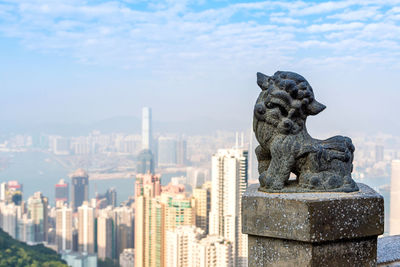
[86, 229]
[64, 228]
[229, 181]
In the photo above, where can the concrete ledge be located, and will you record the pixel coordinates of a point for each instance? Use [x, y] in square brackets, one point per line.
[266, 251]
[313, 217]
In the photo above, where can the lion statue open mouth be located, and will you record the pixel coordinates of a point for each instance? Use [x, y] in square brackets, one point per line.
[279, 124]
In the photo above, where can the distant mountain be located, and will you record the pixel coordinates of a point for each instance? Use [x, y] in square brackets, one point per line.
[123, 124]
[19, 254]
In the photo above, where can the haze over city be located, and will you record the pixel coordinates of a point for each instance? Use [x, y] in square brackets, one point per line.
[126, 132]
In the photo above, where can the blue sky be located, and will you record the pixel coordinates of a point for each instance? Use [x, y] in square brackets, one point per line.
[89, 60]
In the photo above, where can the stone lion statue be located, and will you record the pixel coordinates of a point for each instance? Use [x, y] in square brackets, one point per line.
[279, 124]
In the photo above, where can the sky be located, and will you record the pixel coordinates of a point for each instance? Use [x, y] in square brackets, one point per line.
[83, 61]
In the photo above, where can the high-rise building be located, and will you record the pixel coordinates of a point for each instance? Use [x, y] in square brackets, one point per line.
[86, 229]
[26, 229]
[62, 192]
[112, 196]
[148, 221]
[214, 251]
[145, 162]
[394, 224]
[3, 188]
[38, 212]
[124, 220]
[146, 128]
[105, 236]
[79, 188]
[202, 198]
[177, 211]
[9, 215]
[64, 228]
[229, 181]
[109, 197]
[11, 192]
[181, 245]
[166, 151]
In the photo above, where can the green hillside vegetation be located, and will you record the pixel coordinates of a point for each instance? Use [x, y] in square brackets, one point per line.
[19, 254]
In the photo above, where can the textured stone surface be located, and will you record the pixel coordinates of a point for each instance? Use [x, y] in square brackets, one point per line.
[313, 217]
[279, 124]
[389, 251]
[265, 251]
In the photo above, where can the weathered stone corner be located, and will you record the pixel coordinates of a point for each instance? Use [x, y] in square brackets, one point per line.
[312, 229]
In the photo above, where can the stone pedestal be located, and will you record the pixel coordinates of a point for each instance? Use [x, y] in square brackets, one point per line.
[312, 229]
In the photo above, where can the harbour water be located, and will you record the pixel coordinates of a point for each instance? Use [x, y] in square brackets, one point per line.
[39, 171]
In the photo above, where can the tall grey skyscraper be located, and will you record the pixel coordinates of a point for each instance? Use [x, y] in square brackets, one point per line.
[394, 223]
[146, 128]
[80, 188]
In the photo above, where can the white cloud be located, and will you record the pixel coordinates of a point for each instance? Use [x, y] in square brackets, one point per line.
[176, 34]
[326, 27]
[361, 14]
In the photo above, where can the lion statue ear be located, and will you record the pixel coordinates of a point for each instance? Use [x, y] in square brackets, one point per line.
[262, 81]
[315, 107]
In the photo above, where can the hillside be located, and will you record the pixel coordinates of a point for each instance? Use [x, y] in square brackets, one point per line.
[19, 254]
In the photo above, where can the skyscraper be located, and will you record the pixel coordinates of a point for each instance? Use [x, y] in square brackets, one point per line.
[62, 191]
[64, 228]
[178, 211]
[105, 234]
[124, 220]
[3, 189]
[229, 181]
[202, 198]
[12, 192]
[394, 225]
[9, 215]
[146, 128]
[80, 188]
[26, 229]
[214, 251]
[38, 212]
[109, 197]
[148, 221]
[86, 228]
[181, 244]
